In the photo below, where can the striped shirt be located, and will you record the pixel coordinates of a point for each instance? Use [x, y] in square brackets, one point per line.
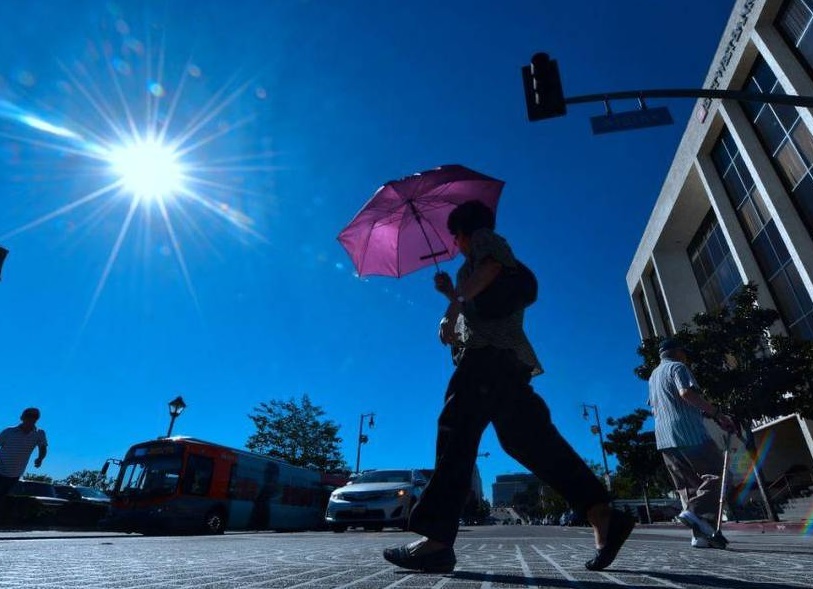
[677, 424]
[16, 447]
[504, 333]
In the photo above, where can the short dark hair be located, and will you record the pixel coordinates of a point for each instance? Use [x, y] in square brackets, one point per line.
[470, 216]
[30, 412]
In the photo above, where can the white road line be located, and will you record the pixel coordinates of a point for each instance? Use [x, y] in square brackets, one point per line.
[482, 546]
[312, 581]
[664, 582]
[526, 570]
[398, 582]
[362, 579]
[440, 583]
[487, 584]
[558, 567]
[613, 578]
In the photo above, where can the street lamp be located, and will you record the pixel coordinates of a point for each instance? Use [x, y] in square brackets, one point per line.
[596, 430]
[363, 439]
[176, 407]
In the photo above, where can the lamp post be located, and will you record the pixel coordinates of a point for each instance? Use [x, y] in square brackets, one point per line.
[176, 407]
[363, 439]
[596, 430]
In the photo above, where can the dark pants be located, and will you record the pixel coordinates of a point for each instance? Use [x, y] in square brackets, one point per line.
[6, 483]
[492, 386]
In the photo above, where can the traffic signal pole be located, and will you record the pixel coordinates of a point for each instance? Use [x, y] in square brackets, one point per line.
[545, 99]
[786, 99]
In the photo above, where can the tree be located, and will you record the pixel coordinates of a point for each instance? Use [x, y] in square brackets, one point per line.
[742, 367]
[40, 478]
[88, 478]
[296, 433]
[640, 465]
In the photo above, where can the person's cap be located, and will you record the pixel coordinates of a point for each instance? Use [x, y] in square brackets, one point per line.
[671, 343]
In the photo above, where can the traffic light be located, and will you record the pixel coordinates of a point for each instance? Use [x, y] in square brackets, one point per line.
[543, 88]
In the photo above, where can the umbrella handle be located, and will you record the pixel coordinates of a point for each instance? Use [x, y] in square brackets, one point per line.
[433, 255]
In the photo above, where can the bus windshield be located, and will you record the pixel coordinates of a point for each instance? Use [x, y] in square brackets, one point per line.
[150, 475]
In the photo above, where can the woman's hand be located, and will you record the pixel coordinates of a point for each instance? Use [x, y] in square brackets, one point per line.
[444, 285]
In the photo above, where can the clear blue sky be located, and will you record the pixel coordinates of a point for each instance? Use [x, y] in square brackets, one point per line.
[322, 102]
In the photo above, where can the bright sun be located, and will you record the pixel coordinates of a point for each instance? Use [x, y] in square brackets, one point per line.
[148, 169]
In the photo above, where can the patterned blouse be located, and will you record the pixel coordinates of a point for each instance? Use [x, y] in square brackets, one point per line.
[504, 333]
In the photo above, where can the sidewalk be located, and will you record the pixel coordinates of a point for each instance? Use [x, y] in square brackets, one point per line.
[796, 527]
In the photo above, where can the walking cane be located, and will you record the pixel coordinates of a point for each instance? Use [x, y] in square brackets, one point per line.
[723, 483]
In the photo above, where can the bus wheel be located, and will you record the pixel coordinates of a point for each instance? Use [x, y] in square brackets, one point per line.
[215, 522]
[338, 528]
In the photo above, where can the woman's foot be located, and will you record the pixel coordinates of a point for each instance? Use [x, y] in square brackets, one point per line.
[611, 527]
[425, 555]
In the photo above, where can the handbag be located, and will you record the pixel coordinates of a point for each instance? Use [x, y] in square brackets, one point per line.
[513, 289]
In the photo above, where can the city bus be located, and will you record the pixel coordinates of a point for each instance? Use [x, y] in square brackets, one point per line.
[183, 484]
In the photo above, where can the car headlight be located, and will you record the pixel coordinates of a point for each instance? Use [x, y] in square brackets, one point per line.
[336, 495]
[400, 493]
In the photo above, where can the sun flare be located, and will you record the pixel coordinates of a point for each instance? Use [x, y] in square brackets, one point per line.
[148, 169]
[151, 128]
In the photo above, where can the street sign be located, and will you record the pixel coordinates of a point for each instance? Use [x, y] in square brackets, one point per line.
[634, 119]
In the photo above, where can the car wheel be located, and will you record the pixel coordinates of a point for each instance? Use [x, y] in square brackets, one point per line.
[215, 522]
[339, 529]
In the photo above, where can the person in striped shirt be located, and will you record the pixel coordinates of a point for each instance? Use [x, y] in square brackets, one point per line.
[16, 445]
[693, 460]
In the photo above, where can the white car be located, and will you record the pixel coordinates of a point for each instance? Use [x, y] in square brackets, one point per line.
[375, 499]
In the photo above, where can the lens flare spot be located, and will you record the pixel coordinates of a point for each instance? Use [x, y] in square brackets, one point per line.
[156, 89]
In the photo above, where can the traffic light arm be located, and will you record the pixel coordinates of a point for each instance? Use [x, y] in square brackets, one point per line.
[803, 101]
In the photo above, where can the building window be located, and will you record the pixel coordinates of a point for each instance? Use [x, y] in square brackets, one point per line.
[792, 299]
[713, 265]
[655, 284]
[794, 22]
[644, 309]
[785, 137]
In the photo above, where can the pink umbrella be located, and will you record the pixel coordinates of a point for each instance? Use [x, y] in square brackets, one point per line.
[402, 228]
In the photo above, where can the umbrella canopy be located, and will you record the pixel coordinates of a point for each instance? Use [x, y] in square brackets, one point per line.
[402, 228]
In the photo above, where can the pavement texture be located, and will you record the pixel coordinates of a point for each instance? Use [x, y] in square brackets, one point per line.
[488, 557]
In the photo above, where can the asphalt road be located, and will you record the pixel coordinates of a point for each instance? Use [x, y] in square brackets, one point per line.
[488, 557]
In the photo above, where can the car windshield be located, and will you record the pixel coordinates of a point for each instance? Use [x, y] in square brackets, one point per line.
[384, 476]
[91, 493]
[66, 492]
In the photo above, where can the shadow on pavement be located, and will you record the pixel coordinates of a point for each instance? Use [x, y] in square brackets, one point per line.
[684, 580]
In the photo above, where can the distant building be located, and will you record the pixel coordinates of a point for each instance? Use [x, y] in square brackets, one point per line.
[737, 203]
[507, 486]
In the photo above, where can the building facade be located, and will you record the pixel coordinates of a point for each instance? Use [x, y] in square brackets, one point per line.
[507, 486]
[737, 202]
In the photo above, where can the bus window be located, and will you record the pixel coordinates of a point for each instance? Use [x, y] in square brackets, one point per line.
[150, 475]
[198, 476]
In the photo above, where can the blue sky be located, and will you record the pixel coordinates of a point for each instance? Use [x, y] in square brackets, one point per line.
[305, 108]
